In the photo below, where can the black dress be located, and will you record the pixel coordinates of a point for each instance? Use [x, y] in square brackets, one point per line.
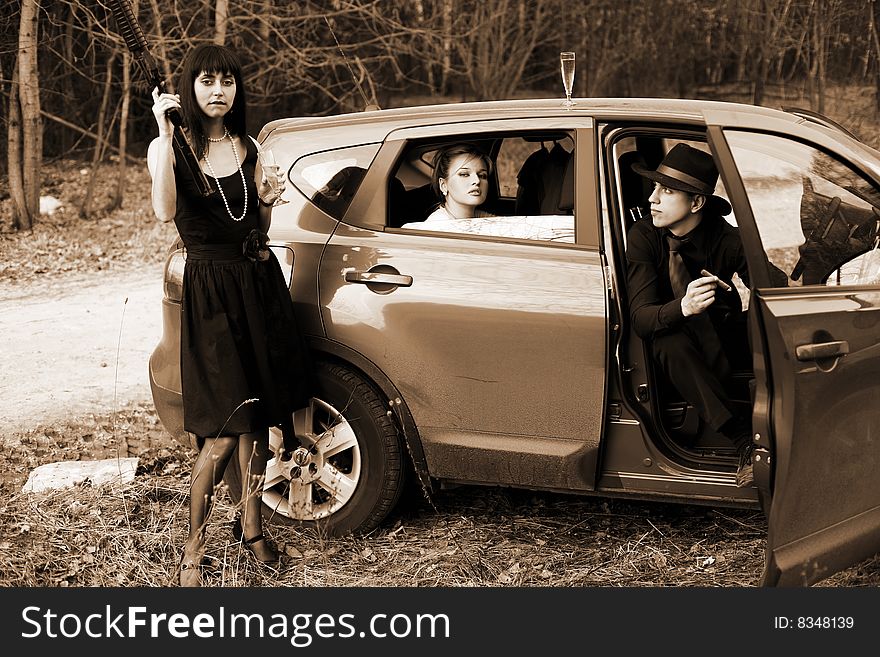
[242, 359]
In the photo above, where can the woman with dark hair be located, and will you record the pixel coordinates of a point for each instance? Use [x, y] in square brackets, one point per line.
[243, 365]
[461, 180]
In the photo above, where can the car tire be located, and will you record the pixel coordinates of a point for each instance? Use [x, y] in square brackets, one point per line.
[347, 474]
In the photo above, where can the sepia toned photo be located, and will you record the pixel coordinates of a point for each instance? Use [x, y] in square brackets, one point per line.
[499, 294]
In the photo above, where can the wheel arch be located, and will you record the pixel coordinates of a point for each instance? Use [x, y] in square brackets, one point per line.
[330, 350]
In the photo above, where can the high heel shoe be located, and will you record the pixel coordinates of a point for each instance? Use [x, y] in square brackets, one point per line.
[238, 534]
[251, 542]
[191, 570]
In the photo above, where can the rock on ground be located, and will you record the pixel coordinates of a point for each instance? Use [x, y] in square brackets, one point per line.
[66, 474]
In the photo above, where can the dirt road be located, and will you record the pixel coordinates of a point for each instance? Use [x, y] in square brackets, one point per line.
[76, 345]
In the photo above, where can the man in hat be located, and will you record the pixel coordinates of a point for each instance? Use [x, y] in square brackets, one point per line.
[679, 266]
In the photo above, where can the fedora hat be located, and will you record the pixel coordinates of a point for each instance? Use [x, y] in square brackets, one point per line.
[688, 169]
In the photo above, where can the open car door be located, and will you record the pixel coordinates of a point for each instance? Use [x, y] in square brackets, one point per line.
[808, 208]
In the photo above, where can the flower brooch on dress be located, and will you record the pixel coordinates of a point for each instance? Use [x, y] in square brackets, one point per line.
[256, 246]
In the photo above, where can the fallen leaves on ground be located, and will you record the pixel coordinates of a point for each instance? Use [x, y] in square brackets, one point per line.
[470, 536]
[65, 244]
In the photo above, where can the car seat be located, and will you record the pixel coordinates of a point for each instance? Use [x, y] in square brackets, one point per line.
[635, 189]
[409, 205]
[566, 191]
[541, 181]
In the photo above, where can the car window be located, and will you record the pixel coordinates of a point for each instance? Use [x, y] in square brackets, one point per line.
[329, 179]
[818, 218]
[530, 195]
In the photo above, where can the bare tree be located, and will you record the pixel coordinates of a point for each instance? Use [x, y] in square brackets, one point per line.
[119, 194]
[495, 41]
[772, 17]
[28, 201]
[604, 31]
[100, 143]
[21, 218]
[873, 19]
[825, 17]
[446, 60]
[816, 78]
[162, 54]
[221, 20]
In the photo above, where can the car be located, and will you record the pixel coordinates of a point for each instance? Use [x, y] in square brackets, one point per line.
[507, 358]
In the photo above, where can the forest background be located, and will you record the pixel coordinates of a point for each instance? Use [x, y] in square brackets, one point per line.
[69, 88]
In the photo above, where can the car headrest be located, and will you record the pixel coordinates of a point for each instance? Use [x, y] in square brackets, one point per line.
[545, 184]
[566, 192]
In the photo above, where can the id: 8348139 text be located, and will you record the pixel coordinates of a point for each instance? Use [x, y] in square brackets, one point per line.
[813, 623]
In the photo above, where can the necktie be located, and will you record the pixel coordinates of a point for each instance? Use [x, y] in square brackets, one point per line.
[699, 326]
[678, 273]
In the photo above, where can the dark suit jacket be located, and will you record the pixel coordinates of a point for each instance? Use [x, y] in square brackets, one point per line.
[714, 245]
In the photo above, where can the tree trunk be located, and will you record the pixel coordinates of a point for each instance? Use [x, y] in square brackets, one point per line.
[816, 55]
[119, 195]
[582, 54]
[86, 208]
[744, 22]
[21, 218]
[875, 41]
[446, 59]
[422, 24]
[160, 46]
[821, 57]
[221, 18]
[69, 94]
[265, 28]
[4, 100]
[29, 96]
[760, 64]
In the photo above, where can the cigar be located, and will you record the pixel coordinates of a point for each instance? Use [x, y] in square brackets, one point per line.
[724, 286]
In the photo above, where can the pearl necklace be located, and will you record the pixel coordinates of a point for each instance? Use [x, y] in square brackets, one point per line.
[241, 173]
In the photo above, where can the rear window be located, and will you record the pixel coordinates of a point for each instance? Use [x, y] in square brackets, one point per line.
[330, 179]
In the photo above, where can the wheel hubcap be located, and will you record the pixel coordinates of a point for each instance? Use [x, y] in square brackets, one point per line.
[322, 473]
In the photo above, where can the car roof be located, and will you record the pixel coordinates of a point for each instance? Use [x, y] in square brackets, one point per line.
[384, 120]
[317, 133]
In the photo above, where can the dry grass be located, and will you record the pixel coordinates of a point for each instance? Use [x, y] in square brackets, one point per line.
[131, 536]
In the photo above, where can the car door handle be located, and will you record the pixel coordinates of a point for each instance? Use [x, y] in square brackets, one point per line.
[820, 350]
[368, 277]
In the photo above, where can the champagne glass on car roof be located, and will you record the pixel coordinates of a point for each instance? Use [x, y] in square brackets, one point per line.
[272, 171]
[566, 65]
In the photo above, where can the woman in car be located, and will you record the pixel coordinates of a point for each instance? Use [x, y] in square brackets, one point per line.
[243, 366]
[461, 179]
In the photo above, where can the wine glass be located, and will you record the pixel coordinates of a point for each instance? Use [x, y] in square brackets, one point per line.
[272, 172]
[566, 65]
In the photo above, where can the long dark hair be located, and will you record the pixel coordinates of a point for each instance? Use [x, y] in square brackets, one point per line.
[211, 58]
[443, 158]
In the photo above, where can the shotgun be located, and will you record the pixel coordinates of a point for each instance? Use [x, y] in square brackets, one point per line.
[131, 32]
